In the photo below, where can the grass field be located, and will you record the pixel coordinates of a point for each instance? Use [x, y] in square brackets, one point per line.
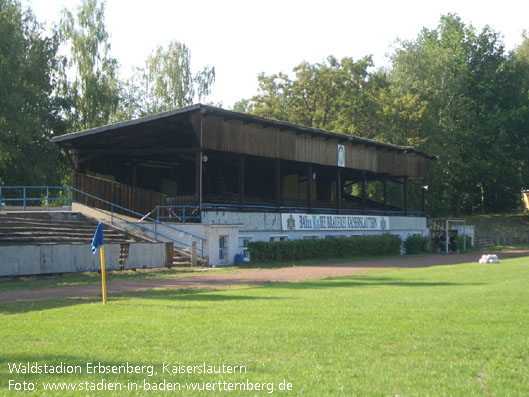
[88, 278]
[451, 330]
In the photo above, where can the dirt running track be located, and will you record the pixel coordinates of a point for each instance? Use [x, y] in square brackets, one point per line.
[254, 276]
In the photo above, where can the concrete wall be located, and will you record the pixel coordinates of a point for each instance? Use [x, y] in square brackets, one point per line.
[264, 226]
[146, 255]
[271, 222]
[257, 226]
[250, 221]
[231, 236]
[70, 258]
[210, 247]
[405, 226]
[253, 226]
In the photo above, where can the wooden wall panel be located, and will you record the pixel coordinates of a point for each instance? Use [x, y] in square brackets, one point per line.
[254, 139]
[126, 196]
[412, 165]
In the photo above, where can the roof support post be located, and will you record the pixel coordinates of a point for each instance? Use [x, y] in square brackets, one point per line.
[405, 194]
[363, 191]
[309, 186]
[385, 181]
[278, 182]
[338, 188]
[423, 200]
[198, 178]
[241, 180]
[199, 166]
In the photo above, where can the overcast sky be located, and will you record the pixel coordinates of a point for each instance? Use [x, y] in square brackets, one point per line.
[243, 38]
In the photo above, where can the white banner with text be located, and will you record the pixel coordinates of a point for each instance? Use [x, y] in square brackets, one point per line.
[333, 222]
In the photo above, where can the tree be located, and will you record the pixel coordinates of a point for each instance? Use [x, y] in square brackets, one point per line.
[241, 106]
[167, 81]
[452, 92]
[29, 109]
[519, 115]
[329, 95]
[461, 81]
[94, 91]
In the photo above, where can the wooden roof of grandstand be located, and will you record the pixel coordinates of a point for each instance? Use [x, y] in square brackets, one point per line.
[202, 128]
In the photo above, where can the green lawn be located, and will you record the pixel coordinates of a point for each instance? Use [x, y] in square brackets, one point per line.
[452, 330]
[87, 278]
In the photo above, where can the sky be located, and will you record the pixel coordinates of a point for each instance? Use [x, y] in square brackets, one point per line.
[244, 38]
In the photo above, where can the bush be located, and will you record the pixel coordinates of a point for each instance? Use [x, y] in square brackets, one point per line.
[324, 249]
[415, 244]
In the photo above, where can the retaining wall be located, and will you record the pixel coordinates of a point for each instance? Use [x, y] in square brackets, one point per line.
[21, 260]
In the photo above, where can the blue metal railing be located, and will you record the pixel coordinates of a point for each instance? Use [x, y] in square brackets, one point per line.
[156, 222]
[8, 195]
[341, 211]
[27, 196]
[44, 195]
[183, 213]
[179, 213]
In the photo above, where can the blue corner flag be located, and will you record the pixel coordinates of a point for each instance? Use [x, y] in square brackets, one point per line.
[98, 240]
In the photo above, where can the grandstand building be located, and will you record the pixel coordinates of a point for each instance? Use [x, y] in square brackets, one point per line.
[235, 178]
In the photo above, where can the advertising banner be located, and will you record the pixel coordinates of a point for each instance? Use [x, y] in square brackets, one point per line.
[316, 222]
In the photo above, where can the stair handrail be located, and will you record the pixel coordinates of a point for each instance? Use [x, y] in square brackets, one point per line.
[140, 226]
[25, 199]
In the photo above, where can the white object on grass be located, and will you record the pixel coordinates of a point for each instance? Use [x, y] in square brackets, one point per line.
[489, 259]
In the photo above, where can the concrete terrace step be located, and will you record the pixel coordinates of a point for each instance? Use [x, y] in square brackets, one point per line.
[56, 240]
[52, 231]
[19, 225]
[44, 228]
[27, 232]
[182, 258]
[69, 228]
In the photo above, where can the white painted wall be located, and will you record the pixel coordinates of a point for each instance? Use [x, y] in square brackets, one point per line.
[145, 255]
[211, 233]
[55, 258]
[260, 226]
[72, 258]
[213, 236]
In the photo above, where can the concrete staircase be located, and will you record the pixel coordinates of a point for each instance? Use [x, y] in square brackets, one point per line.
[39, 228]
[183, 258]
[54, 228]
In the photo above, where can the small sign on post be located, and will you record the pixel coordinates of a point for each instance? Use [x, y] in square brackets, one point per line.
[341, 156]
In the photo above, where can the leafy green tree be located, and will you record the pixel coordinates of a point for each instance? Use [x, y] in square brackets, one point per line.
[329, 95]
[94, 90]
[452, 92]
[241, 106]
[519, 115]
[461, 81]
[272, 98]
[167, 81]
[29, 109]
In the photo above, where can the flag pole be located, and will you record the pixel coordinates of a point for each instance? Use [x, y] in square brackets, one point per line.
[103, 281]
[99, 242]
